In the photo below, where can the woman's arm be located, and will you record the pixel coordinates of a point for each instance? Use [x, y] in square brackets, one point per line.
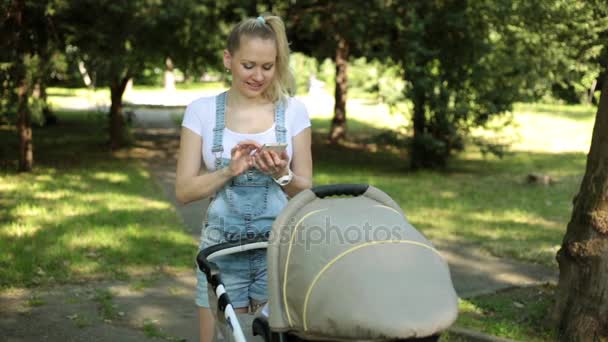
[301, 164]
[189, 185]
[277, 166]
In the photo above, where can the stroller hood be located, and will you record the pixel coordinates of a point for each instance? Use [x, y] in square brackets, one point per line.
[354, 268]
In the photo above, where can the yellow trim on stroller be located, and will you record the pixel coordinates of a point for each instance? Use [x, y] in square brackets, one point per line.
[389, 208]
[293, 234]
[341, 255]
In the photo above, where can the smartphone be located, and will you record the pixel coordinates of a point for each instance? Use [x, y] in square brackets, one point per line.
[276, 147]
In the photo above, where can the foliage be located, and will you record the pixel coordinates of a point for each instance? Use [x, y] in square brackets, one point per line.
[136, 35]
[304, 68]
[465, 62]
[21, 51]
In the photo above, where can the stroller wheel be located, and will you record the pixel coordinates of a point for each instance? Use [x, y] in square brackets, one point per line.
[260, 328]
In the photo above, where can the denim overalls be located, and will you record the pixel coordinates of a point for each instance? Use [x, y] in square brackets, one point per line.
[245, 207]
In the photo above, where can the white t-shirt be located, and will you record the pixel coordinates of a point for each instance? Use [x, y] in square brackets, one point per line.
[200, 118]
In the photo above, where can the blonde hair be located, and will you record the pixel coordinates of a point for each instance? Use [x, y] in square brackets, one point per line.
[271, 27]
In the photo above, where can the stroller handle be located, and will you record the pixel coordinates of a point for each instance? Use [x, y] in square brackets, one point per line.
[340, 189]
[210, 269]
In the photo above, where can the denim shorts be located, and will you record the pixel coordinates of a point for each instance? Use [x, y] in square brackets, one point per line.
[244, 277]
[244, 274]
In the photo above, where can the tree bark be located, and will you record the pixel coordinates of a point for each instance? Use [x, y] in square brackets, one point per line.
[49, 118]
[418, 155]
[419, 119]
[581, 309]
[338, 123]
[24, 127]
[117, 120]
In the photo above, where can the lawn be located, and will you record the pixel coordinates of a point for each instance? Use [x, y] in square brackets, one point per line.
[518, 313]
[483, 200]
[83, 213]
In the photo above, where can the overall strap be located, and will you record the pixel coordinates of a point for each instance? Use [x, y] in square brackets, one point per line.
[218, 130]
[279, 120]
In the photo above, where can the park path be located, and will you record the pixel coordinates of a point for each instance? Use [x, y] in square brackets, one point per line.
[162, 308]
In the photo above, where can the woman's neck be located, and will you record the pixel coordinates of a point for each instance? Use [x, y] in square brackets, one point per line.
[237, 100]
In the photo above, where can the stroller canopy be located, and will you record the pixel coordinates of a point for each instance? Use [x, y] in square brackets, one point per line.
[353, 268]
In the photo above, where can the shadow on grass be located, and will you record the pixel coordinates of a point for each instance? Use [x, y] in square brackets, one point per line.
[357, 130]
[82, 213]
[82, 234]
[482, 200]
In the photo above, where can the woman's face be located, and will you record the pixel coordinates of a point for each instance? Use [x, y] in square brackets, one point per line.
[253, 65]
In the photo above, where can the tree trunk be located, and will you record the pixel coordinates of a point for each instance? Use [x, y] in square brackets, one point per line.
[338, 123]
[49, 118]
[418, 148]
[86, 79]
[117, 122]
[419, 119]
[581, 309]
[24, 125]
[169, 79]
[591, 92]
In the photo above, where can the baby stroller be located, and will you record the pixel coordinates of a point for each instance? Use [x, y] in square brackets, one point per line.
[344, 264]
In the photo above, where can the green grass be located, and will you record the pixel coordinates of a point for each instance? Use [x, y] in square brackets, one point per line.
[152, 330]
[482, 202]
[34, 301]
[107, 308]
[80, 321]
[518, 314]
[479, 200]
[83, 213]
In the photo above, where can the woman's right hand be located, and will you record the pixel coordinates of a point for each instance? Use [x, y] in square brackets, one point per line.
[240, 157]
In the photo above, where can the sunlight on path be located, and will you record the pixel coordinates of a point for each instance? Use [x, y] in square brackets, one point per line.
[537, 128]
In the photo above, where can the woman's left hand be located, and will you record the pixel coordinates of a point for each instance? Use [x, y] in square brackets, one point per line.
[271, 163]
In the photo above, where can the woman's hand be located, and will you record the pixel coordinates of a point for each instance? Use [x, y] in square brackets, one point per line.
[240, 157]
[272, 163]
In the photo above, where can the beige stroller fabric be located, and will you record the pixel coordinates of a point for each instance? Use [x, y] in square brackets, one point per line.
[353, 268]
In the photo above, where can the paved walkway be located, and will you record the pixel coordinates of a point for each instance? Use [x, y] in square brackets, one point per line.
[161, 307]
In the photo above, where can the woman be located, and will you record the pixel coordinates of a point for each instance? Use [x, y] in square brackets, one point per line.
[224, 134]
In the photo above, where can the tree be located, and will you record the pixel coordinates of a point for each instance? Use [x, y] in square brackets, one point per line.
[186, 35]
[338, 30]
[581, 309]
[130, 35]
[466, 62]
[581, 303]
[24, 38]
